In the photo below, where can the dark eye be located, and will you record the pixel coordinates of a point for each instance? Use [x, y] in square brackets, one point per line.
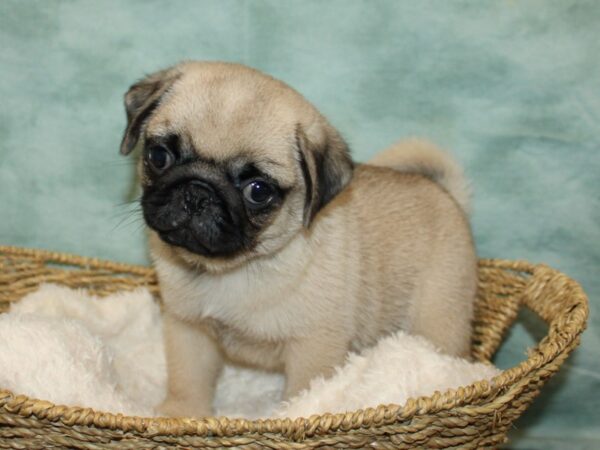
[159, 158]
[258, 193]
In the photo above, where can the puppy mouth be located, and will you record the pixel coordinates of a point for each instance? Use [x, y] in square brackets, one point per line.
[184, 238]
[198, 234]
[200, 239]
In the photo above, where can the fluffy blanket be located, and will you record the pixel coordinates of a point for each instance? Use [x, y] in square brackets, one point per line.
[71, 348]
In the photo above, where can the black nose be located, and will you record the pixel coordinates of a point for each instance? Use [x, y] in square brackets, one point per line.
[197, 195]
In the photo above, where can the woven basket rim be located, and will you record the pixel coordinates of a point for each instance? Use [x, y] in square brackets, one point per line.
[459, 398]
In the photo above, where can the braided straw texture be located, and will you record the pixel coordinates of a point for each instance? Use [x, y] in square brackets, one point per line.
[475, 416]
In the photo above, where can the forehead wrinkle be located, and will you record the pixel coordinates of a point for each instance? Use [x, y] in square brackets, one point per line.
[225, 113]
[221, 117]
[276, 169]
[271, 168]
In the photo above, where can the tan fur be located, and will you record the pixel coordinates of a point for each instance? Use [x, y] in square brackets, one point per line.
[391, 251]
[418, 156]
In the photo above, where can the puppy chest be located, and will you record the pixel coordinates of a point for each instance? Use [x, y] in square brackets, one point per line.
[260, 307]
[261, 315]
[244, 349]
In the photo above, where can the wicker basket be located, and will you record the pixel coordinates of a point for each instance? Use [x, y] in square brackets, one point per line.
[473, 416]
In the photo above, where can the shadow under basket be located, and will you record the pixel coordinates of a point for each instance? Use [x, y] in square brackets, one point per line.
[474, 416]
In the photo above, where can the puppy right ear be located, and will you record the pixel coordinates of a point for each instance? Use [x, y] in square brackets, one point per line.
[140, 102]
[326, 169]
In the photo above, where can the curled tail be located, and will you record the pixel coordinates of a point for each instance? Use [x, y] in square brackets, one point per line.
[418, 156]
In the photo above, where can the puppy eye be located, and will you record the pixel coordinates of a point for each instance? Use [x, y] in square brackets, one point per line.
[159, 158]
[258, 193]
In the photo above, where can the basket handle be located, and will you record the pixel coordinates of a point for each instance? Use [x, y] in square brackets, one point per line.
[559, 300]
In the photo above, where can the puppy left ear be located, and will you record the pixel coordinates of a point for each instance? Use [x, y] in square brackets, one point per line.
[326, 168]
[140, 102]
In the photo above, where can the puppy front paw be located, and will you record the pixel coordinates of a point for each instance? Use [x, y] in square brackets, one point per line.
[175, 407]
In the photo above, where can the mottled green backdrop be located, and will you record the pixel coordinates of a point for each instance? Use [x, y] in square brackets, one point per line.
[512, 87]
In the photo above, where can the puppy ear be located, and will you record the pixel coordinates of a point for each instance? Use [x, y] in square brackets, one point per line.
[326, 168]
[140, 102]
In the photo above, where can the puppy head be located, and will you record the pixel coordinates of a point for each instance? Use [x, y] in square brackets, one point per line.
[234, 164]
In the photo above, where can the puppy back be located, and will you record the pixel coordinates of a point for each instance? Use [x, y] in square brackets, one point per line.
[422, 157]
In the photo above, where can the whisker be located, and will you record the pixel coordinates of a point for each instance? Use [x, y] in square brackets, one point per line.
[129, 219]
[126, 212]
[130, 202]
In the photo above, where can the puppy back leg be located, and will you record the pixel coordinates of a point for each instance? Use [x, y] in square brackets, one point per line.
[194, 363]
[442, 310]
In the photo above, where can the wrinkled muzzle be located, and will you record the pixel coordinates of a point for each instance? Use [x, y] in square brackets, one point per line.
[191, 214]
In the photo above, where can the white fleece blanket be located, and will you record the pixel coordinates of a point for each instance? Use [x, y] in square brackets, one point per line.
[71, 348]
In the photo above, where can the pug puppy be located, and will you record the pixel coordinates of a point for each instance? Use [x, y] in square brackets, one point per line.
[273, 248]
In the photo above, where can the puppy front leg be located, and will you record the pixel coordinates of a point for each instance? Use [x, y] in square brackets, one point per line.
[307, 358]
[194, 363]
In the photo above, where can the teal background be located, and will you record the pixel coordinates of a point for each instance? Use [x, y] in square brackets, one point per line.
[511, 87]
